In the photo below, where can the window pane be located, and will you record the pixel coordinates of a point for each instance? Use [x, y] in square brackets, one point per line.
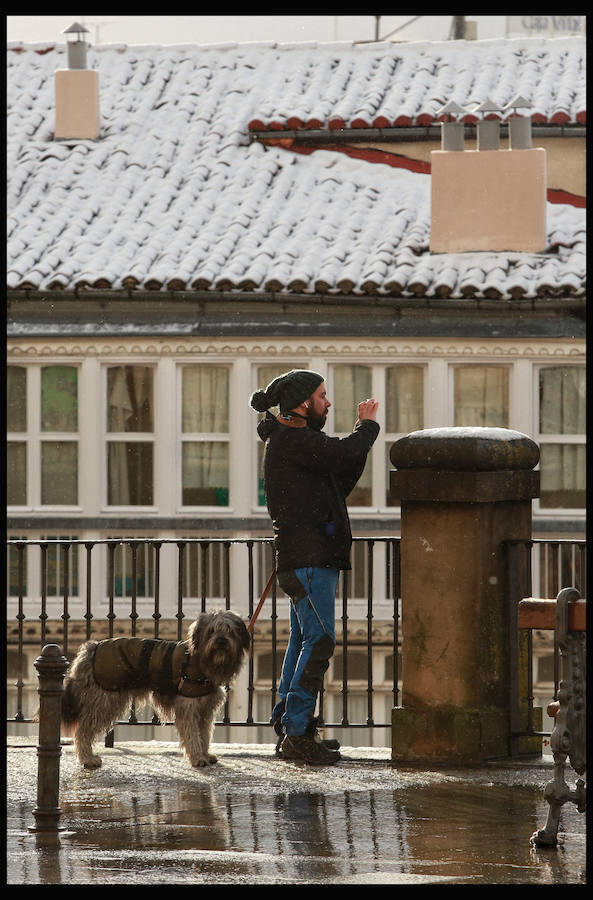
[357, 577]
[389, 671]
[357, 714]
[16, 400]
[357, 666]
[61, 567]
[205, 399]
[204, 572]
[15, 583]
[562, 476]
[16, 473]
[129, 474]
[129, 399]
[265, 666]
[205, 473]
[482, 396]
[404, 395]
[59, 473]
[59, 398]
[351, 385]
[562, 400]
[545, 668]
[123, 570]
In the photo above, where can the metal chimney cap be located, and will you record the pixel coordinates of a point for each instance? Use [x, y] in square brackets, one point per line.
[518, 102]
[451, 108]
[487, 105]
[76, 28]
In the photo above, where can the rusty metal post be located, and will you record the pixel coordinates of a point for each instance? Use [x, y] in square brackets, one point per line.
[51, 667]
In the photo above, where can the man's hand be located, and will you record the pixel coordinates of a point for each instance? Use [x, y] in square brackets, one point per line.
[367, 409]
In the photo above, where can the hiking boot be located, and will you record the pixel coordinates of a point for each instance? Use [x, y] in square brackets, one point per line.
[277, 725]
[311, 731]
[307, 749]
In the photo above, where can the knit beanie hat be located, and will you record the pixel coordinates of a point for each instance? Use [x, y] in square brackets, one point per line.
[287, 391]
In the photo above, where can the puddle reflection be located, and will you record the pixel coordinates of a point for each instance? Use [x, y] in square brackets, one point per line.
[215, 833]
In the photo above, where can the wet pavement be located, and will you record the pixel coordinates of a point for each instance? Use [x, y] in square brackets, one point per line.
[146, 817]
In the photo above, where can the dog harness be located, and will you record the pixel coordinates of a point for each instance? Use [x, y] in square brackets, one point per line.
[166, 667]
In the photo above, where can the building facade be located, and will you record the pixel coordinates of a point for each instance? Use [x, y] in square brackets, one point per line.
[229, 224]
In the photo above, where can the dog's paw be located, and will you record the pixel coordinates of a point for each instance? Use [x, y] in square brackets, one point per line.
[203, 761]
[93, 762]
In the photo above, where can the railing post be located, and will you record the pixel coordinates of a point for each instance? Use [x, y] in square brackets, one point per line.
[569, 737]
[51, 667]
[464, 493]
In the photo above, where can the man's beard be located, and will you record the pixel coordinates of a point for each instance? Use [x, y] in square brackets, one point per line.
[316, 422]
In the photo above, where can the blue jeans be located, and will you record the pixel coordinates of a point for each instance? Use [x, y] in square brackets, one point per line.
[310, 648]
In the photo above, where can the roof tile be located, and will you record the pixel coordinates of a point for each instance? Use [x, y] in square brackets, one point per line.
[174, 196]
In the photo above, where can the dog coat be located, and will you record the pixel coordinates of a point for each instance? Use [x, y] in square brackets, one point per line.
[165, 667]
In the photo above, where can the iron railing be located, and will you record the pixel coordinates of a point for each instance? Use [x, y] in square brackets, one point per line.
[69, 587]
[223, 572]
[542, 569]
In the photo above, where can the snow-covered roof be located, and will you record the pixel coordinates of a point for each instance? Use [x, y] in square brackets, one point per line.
[174, 195]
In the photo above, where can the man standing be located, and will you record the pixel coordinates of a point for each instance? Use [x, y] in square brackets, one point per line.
[307, 477]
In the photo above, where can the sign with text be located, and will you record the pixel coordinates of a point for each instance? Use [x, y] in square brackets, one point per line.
[546, 26]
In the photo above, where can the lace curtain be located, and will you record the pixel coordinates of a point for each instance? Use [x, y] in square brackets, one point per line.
[562, 412]
[205, 411]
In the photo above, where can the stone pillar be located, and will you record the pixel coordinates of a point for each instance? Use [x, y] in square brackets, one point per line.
[463, 492]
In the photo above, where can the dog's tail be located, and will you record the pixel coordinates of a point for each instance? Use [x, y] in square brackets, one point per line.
[70, 709]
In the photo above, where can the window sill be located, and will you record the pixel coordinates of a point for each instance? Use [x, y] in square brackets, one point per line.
[560, 513]
[58, 510]
[201, 510]
[129, 510]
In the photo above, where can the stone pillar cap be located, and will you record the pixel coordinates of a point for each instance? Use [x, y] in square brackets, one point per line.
[467, 449]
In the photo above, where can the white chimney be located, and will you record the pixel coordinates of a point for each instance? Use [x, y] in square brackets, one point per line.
[488, 129]
[519, 125]
[77, 91]
[452, 130]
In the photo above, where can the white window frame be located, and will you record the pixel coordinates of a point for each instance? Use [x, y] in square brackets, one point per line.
[34, 437]
[108, 437]
[378, 391]
[183, 437]
[550, 512]
[390, 437]
[453, 366]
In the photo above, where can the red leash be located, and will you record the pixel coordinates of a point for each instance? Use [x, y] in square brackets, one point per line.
[262, 600]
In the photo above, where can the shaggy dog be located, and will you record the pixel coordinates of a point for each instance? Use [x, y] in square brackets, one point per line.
[185, 680]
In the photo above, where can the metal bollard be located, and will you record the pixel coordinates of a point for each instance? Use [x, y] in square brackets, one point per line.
[51, 667]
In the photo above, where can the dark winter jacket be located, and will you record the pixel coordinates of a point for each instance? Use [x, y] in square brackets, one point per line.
[156, 665]
[307, 477]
